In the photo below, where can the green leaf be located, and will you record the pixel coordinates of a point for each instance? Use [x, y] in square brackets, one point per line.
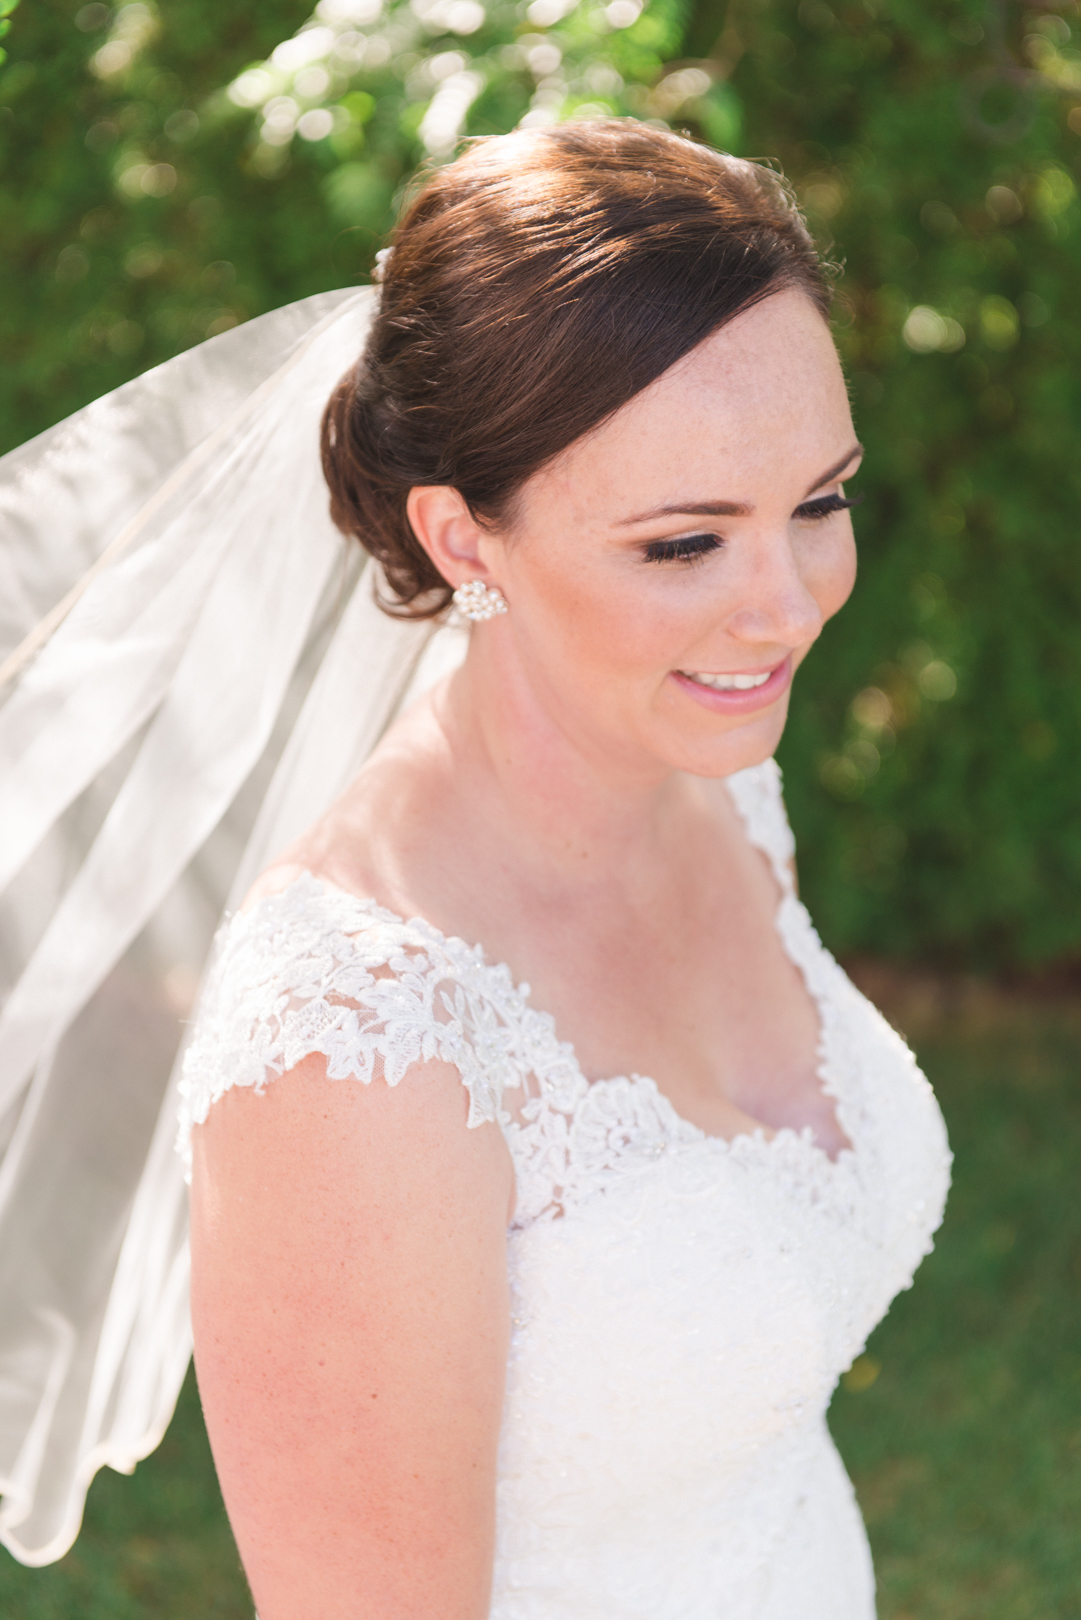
[358, 194]
[359, 105]
[721, 116]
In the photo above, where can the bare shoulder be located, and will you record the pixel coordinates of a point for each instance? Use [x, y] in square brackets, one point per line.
[350, 1300]
[343, 847]
[350, 1312]
[330, 1142]
[312, 1168]
[365, 841]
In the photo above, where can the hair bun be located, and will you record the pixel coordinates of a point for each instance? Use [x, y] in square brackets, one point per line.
[535, 285]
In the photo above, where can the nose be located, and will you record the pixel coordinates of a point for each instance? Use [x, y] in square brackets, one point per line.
[776, 603]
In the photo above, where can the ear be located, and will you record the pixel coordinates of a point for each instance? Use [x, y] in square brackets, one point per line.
[449, 534]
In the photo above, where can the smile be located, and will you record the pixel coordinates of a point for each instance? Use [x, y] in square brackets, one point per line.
[737, 693]
[728, 683]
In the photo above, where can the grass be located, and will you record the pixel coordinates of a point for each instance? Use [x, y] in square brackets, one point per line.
[153, 1544]
[965, 1448]
[961, 1426]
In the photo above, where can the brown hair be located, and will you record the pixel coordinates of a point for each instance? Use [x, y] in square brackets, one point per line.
[537, 284]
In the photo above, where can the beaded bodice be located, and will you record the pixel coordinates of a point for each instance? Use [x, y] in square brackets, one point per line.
[683, 1304]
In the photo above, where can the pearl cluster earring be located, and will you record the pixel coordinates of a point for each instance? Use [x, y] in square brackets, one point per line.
[477, 601]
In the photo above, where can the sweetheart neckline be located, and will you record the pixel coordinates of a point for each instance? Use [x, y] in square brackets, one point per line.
[784, 1134]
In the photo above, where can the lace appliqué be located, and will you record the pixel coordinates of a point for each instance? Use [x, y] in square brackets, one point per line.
[315, 970]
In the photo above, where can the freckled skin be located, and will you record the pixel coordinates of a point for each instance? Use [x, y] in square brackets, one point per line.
[558, 800]
[754, 414]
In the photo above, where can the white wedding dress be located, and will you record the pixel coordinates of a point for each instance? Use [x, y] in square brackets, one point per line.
[682, 1305]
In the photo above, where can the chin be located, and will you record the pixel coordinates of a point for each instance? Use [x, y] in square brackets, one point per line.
[735, 750]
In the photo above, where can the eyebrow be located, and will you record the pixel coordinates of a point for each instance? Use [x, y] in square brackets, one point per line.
[732, 508]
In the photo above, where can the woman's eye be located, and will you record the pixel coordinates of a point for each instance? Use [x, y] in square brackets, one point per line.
[825, 506]
[688, 548]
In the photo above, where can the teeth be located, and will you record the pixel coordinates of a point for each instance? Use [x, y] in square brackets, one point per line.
[731, 683]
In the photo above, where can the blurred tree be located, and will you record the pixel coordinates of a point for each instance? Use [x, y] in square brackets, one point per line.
[143, 208]
[167, 173]
[118, 219]
[941, 713]
[6, 8]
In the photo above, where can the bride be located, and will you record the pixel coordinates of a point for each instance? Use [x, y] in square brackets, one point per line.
[545, 1170]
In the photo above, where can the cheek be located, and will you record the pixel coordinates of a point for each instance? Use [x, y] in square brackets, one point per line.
[832, 573]
[634, 629]
[588, 617]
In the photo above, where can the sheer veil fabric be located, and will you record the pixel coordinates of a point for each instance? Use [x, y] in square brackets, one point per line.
[216, 673]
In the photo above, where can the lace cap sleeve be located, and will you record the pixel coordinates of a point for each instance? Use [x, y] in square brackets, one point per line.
[316, 970]
[757, 795]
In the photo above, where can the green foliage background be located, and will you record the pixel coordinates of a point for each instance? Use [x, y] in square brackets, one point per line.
[932, 763]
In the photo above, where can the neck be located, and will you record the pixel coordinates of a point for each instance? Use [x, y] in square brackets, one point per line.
[535, 770]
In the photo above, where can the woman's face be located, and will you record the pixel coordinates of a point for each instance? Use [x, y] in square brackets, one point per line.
[668, 573]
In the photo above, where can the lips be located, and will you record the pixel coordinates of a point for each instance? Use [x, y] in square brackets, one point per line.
[738, 691]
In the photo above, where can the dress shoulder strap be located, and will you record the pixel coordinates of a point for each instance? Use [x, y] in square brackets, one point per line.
[757, 795]
[313, 969]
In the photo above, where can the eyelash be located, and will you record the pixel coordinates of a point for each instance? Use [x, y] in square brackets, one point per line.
[691, 548]
[688, 548]
[825, 506]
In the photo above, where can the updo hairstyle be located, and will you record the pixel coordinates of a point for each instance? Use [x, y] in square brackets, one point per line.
[537, 284]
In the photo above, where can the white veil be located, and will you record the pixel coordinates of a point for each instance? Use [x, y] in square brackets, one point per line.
[201, 669]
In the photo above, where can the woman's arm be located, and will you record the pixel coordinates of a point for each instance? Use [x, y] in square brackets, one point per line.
[349, 1299]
